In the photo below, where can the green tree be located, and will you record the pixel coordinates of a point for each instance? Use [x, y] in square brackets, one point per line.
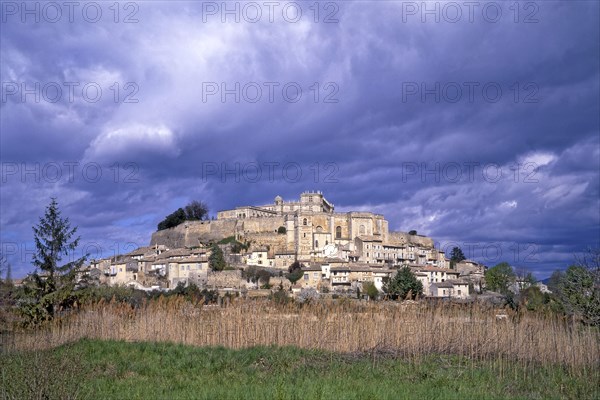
[216, 261]
[196, 211]
[456, 256]
[500, 277]
[404, 285]
[579, 294]
[172, 220]
[295, 272]
[51, 285]
[370, 289]
[264, 276]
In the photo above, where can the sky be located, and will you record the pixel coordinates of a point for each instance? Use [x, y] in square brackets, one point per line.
[474, 123]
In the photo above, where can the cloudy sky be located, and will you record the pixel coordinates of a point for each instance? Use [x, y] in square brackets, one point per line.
[476, 124]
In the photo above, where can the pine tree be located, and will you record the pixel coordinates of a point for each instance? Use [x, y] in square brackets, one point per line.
[403, 285]
[216, 261]
[52, 283]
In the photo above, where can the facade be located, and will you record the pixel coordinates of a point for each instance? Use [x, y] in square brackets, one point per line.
[450, 289]
[314, 232]
[339, 249]
[441, 282]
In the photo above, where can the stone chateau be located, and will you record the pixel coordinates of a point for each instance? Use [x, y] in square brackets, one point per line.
[339, 250]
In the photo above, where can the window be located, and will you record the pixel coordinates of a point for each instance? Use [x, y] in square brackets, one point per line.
[316, 243]
[459, 292]
[305, 222]
[338, 232]
[305, 277]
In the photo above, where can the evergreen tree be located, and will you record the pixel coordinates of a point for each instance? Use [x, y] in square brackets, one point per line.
[457, 255]
[295, 272]
[216, 261]
[52, 283]
[403, 285]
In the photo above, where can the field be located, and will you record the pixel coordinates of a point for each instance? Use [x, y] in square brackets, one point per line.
[110, 369]
[171, 348]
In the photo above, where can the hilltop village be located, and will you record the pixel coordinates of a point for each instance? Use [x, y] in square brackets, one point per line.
[338, 252]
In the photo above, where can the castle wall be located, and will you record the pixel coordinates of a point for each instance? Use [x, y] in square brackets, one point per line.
[404, 237]
[191, 233]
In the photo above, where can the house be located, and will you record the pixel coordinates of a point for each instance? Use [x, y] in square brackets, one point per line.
[313, 277]
[450, 288]
[340, 276]
[428, 275]
[259, 258]
[122, 270]
[283, 259]
[188, 269]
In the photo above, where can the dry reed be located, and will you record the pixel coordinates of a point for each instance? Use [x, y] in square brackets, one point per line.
[409, 330]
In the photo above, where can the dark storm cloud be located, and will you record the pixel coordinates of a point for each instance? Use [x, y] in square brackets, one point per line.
[378, 147]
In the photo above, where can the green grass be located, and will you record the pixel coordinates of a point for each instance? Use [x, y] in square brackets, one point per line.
[119, 370]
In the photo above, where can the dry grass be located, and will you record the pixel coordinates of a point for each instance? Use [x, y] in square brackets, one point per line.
[408, 330]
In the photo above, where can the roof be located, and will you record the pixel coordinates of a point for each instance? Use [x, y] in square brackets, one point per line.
[429, 268]
[181, 252]
[365, 268]
[446, 285]
[370, 238]
[340, 268]
[141, 251]
[457, 282]
[312, 268]
[186, 260]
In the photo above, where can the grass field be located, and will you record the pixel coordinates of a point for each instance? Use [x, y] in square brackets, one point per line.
[120, 370]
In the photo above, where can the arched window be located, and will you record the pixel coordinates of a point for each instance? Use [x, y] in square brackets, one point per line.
[305, 222]
[338, 232]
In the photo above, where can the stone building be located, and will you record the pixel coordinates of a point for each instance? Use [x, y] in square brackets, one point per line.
[308, 230]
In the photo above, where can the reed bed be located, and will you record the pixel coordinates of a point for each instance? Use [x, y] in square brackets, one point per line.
[472, 331]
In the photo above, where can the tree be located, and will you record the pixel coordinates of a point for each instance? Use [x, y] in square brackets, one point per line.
[216, 261]
[579, 294]
[404, 285]
[295, 272]
[412, 233]
[370, 289]
[457, 255]
[264, 277]
[172, 220]
[52, 284]
[500, 277]
[196, 211]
